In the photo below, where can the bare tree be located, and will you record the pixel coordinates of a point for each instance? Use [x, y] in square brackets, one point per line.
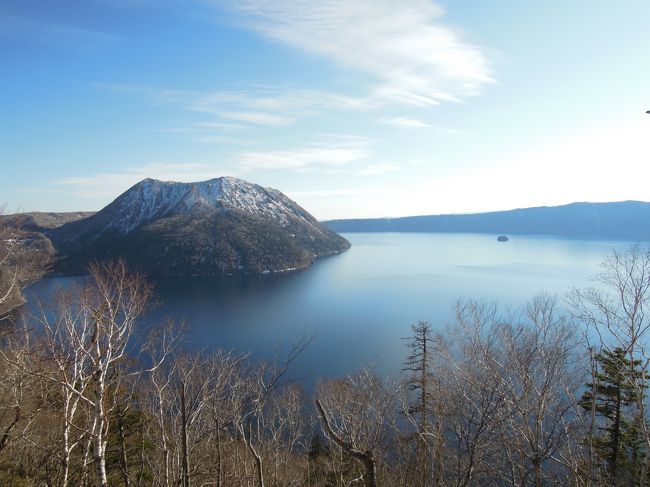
[113, 305]
[190, 389]
[87, 339]
[541, 382]
[356, 414]
[508, 388]
[616, 312]
[264, 380]
[283, 422]
[21, 398]
[225, 404]
[472, 402]
[155, 404]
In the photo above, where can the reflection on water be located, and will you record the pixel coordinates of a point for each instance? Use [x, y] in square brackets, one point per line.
[361, 303]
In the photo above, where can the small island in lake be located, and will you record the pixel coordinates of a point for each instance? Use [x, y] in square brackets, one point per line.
[502, 238]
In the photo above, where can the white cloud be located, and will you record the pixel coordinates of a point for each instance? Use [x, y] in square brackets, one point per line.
[406, 47]
[156, 95]
[258, 118]
[307, 158]
[268, 98]
[221, 139]
[217, 125]
[406, 122]
[348, 138]
[111, 184]
[255, 105]
[35, 31]
[210, 132]
[377, 169]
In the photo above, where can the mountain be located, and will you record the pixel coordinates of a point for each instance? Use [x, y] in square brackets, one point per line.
[625, 220]
[37, 221]
[31, 230]
[216, 227]
[26, 252]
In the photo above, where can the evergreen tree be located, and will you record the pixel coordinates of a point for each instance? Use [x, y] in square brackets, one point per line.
[318, 456]
[317, 447]
[614, 396]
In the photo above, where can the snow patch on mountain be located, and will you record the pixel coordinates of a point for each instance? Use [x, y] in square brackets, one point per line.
[151, 199]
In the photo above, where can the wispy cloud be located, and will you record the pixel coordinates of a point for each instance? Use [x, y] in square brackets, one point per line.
[258, 118]
[222, 139]
[405, 51]
[218, 125]
[347, 138]
[414, 56]
[377, 169]
[268, 98]
[152, 93]
[274, 107]
[210, 132]
[135, 3]
[301, 159]
[406, 122]
[35, 31]
[110, 184]
[330, 155]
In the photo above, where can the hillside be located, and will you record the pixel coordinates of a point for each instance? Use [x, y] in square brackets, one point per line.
[37, 221]
[626, 220]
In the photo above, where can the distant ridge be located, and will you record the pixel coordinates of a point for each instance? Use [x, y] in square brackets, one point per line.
[625, 220]
[38, 221]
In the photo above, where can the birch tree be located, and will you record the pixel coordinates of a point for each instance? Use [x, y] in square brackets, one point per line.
[190, 390]
[616, 312]
[86, 339]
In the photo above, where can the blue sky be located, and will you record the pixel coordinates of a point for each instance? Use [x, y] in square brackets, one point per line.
[353, 109]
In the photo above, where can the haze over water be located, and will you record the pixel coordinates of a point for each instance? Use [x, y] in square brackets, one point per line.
[362, 302]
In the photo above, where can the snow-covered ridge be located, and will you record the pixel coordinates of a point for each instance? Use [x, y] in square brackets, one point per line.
[151, 199]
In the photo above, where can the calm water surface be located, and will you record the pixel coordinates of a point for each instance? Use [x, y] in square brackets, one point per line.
[361, 303]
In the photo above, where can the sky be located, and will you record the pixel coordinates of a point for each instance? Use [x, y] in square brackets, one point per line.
[364, 108]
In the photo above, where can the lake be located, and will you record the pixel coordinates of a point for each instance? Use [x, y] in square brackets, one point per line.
[361, 303]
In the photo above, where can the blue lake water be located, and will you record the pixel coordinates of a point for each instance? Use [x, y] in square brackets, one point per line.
[362, 302]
